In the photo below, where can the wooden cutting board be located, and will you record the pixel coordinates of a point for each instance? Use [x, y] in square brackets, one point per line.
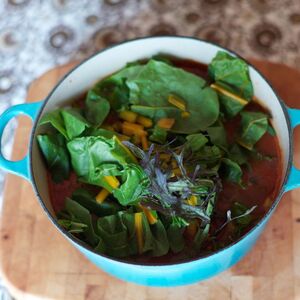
[38, 263]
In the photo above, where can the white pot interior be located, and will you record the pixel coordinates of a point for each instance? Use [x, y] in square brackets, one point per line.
[113, 59]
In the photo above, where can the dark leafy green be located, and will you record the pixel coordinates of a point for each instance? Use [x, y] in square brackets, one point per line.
[74, 122]
[196, 141]
[96, 107]
[88, 201]
[231, 171]
[71, 226]
[232, 71]
[55, 119]
[56, 155]
[253, 126]
[82, 215]
[159, 135]
[217, 136]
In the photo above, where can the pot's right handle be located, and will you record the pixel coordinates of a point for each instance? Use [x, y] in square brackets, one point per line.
[293, 181]
[21, 167]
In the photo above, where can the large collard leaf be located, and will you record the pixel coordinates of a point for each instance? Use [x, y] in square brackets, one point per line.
[54, 118]
[253, 126]
[89, 153]
[82, 215]
[157, 80]
[87, 200]
[96, 107]
[54, 150]
[75, 124]
[233, 71]
[94, 158]
[232, 75]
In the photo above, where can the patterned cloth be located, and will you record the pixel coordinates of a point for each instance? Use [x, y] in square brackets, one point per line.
[36, 35]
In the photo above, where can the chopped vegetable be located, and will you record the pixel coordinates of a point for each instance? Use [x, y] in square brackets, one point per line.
[146, 122]
[103, 194]
[166, 123]
[128, 116]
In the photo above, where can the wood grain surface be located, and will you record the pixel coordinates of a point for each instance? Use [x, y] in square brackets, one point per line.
[38, 263]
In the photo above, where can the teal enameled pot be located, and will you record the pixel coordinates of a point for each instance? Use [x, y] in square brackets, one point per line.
[106, 62]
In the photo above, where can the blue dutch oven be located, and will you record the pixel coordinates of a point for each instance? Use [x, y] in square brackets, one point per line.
[106, 62]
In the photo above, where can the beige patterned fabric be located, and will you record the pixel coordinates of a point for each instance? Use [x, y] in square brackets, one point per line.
[36, 35]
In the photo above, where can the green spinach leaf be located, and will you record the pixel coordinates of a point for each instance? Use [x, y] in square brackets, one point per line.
[232, 71]
[74, 122]
[83, 216]
[96, 107]
[159, 135]
[55, 152]
[150, 85]
[231, 171]
[71, 226]
[196, 141]
[55, 119]
[88, 201]
[218, 136]
[253, 126]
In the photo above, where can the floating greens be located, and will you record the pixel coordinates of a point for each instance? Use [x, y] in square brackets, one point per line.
[151, 150]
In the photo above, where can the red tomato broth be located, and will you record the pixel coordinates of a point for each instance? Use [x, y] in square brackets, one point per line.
[263, 180]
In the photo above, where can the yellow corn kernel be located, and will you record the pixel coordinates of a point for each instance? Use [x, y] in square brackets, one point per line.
[191, 230]
[150, 217]
[133, 129]
[144, 141]
[192, 200]
[102, 195]
[138, 225]
[177, 102]
[146, 122]
[123, 137]
[166, 123]
[228, 94]
[128, 116]
[185, 114]
[112, 181]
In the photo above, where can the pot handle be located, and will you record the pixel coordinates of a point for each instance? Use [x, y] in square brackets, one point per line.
[293, 181]
[21, 167]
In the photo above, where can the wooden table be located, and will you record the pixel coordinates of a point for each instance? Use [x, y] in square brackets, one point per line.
[38, 263]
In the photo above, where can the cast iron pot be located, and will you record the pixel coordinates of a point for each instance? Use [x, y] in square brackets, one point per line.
[106, 62]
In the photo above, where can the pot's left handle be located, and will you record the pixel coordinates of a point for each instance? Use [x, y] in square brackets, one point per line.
[293, 181]
[21, 167]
